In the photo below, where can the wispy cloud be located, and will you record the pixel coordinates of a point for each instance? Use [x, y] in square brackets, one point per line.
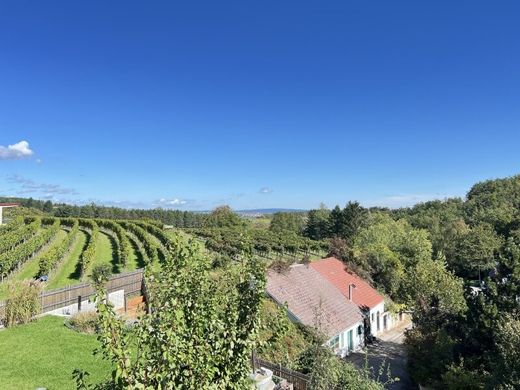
[15, 152]
[265, 190]
[28, 186]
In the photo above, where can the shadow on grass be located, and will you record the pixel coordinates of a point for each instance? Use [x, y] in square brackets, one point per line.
[139, 256]
[116, 264]
[76, 274]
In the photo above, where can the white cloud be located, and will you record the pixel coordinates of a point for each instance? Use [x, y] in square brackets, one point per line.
[173, 202]
[15, 152]
[265, 190]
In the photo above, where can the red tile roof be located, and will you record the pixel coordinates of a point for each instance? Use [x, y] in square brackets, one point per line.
[312, 300]
[9, 204]
[335, 271]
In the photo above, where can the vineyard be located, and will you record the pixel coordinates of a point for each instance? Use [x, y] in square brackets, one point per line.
[264, 243]
[64, 251]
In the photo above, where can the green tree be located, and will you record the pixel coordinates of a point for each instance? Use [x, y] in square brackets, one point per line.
[223, 216]
[475, 251]
[287, 222]
[436, 297]
[317, 226]
[390, 249]
[200, 330]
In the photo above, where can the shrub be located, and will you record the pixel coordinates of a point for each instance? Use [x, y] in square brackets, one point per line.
[100, 274]
[23, 302]
[85, 322]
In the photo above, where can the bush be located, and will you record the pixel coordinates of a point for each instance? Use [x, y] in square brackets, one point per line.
[100, 274]
[23, 302]
[85, 322]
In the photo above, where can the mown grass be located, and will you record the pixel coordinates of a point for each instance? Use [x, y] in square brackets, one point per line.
[105, 252]
[44, 353]
[68, 271]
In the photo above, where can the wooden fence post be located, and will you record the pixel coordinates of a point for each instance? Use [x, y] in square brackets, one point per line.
[79, 303]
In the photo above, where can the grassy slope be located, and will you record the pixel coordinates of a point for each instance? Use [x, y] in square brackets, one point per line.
[67, 274]
[104, 252]
[44, 354]
[136, 259]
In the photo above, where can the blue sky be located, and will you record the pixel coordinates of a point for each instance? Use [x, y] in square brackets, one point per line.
[257, 104]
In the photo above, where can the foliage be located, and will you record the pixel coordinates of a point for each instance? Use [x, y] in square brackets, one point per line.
[200, 331]
[23, 302]
[389, 249]
[495, 202]
[19, 233]
[317, 227]
[144, 237]
[223, 216]
[506, 368]
[9, 260]
[230, 241]
[85, 322]
[327, 372]
[475, 251]
[100, 274]
[281, 340]
[88, 255]
[123, 243]
[287, 222]
[51, 257]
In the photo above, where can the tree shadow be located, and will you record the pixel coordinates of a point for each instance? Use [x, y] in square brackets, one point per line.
[139, 256]
[387, 354]
[76, 274]
[115, 261]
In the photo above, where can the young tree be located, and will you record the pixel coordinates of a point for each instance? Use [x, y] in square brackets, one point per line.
[199, 333]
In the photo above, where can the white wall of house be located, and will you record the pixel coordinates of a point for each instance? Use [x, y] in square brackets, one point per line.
[351, 339]
[387, 320]
[376, 319]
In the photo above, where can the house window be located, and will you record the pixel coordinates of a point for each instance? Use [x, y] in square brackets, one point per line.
[334, 343]
[372, 317]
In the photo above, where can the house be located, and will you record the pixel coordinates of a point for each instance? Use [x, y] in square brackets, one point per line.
[313, 301]
[358, 291]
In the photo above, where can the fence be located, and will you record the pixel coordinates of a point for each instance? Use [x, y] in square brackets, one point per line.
[300, 381]
[130, 282]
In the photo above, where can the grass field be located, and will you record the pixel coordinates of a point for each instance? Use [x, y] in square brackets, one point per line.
[44, 354]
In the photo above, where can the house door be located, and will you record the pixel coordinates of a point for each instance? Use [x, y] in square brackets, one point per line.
[350, 340]
[378, 324]
[384, 322]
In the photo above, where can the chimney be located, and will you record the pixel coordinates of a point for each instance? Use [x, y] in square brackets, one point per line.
[351, 288]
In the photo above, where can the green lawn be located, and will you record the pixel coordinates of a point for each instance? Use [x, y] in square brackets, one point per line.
[44, 354]
[136, 259]
[67, 272]
[104, 252]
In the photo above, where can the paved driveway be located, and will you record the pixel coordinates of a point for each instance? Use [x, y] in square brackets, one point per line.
[390, 351]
